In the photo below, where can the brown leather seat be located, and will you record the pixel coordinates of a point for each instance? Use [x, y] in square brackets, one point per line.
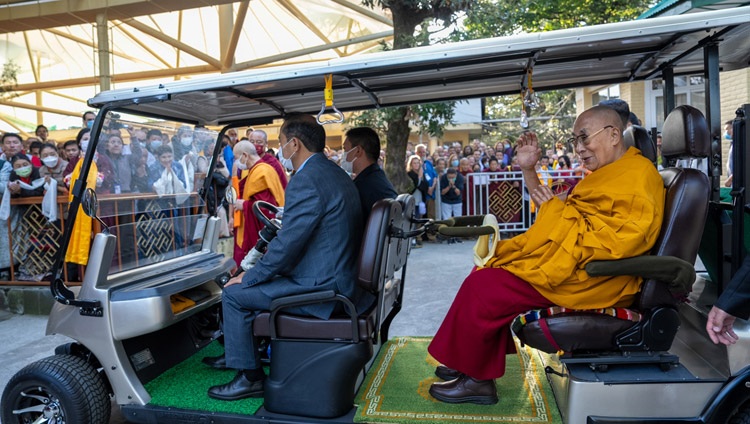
[639, 138]
[380, 257]
[668, 272]
[316, 363]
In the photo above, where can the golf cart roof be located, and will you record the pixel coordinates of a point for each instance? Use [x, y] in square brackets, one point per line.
[587, 56]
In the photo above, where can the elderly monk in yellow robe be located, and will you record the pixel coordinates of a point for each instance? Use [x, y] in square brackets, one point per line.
[615, 212]
[260, 182]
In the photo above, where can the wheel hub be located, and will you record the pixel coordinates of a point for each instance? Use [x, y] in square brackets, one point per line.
[39, 406]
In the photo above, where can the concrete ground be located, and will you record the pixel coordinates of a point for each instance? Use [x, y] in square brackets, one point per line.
[434, 274]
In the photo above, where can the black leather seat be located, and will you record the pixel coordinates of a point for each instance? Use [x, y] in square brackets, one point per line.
[668, 272]
[639, 138]
[315, 364]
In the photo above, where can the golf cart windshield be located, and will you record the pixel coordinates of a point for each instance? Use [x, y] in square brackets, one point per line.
[147, 175]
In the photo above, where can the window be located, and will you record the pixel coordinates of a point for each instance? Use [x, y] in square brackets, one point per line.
[609, 93]
[689, 90]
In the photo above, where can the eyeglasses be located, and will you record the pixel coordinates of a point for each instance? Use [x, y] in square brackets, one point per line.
[584, 138]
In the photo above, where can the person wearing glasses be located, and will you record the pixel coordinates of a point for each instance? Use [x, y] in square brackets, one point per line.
[615, 212]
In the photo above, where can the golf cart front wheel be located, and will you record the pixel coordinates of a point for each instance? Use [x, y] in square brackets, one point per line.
[59, 389]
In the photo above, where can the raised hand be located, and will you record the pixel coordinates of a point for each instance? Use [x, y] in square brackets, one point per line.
[528, 151]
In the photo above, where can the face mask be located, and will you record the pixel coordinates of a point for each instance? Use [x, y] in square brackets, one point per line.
[727, 137]
[286, 163]
[84, 145]
[454, 163]
[346, 165]
[89, 124]
[452, 180]
[260, 149]
[155, 144]
[24, 171]
[241, 165]
[50, 161]
[186, 141]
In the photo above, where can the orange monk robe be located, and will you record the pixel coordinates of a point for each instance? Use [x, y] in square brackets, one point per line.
[80, 237]
[260, 183]
[237, 216]
[615, 212]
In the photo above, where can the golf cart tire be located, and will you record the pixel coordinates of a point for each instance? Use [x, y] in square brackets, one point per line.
[64, 381]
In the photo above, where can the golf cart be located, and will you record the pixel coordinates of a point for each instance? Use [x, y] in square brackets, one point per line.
[149, 298]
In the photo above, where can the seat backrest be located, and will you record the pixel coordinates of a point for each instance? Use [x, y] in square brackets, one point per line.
[381, 254]
[685, 135]
[638, 137]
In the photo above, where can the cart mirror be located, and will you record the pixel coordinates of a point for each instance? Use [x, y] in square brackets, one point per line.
[230, 196]
[89, 202]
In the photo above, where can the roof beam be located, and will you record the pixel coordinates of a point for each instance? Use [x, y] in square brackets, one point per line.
[308, 23]
[89, 43]
[288, 55]
[132, 76]
[365, 11]
[234, 38]
[172, 42]
[144, 46]
[38, 108]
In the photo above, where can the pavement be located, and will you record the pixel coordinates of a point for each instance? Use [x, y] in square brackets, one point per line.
[433, 275]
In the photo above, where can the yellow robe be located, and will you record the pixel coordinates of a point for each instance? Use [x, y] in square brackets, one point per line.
[80, 237]
[615, 212]
[261, 177]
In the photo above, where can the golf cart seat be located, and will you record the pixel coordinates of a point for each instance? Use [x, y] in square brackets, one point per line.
[316, 363]
[651, 323]
[638, 137]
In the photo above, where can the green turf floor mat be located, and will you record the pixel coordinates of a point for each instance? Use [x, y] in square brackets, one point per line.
[396, 390]
[186, 386]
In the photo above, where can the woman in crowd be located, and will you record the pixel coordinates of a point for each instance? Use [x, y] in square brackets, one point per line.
[54, 166]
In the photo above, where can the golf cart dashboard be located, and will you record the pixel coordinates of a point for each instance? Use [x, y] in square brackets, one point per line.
[144, 303]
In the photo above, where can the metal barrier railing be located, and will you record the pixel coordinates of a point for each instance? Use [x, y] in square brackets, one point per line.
[503, 194]
[148, 231]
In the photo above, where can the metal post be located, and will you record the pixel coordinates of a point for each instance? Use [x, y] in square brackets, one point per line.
[667, 75]
[713, 115]
[102, 48]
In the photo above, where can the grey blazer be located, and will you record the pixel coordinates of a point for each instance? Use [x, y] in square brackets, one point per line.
[318, 245]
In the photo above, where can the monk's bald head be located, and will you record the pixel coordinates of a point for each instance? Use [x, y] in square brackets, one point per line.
[598, 135]
[604, 116]
[245, 147]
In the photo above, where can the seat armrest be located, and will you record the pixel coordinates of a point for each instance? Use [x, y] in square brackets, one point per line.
[312, 298]
[677, 273]
[303, 299]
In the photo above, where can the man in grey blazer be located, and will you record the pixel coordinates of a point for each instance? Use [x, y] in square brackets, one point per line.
[315, 250]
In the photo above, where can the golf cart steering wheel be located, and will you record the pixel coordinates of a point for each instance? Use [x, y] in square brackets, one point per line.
[258, 207]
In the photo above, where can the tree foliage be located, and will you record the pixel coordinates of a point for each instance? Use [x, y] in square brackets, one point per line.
[492, 18]
[9, 78]
[411, 22]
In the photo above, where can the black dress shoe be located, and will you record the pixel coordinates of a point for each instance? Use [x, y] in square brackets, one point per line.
[239, 388]
[447, 374]
[218, 362]
[465, 389]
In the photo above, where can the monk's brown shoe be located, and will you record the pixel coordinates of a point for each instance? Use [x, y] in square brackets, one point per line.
[447, 374]
[465, 389]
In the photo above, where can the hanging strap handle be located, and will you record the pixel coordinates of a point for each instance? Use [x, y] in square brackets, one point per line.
[328, 103]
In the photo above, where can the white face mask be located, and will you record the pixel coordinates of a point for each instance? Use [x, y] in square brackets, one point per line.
[286, 162]
[84, 146]
[186, 141]
[50, 161]
[242, 166]
[348, 165]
